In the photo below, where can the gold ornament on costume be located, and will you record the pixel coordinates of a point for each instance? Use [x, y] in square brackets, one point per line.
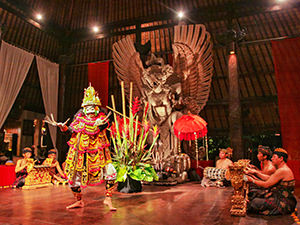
[90, 97]
[229, 152]
[38, 176]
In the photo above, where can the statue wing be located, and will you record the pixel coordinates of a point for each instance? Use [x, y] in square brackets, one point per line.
[128, 66]
[193, 62]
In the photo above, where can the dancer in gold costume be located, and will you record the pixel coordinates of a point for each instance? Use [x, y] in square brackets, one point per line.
[88, 161]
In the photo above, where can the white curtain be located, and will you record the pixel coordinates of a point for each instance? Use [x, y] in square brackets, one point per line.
[14, 66]
[49, 75]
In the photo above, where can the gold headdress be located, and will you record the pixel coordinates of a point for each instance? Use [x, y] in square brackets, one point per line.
[90, 97]
[264, 150]
[228, 151]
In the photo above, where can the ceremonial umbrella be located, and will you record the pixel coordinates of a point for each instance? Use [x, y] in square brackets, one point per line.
[191, 127]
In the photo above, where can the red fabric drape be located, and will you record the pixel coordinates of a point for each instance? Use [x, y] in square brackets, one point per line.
[7, 175]
[98, 76]
[201, 164]
[295, 167]
[286, 54]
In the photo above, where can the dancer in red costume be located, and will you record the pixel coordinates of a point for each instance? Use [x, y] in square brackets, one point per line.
[88, 161]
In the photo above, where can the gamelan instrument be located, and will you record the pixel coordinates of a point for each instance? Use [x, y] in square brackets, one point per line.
[214, 173]
[38, 176]
[240, 195]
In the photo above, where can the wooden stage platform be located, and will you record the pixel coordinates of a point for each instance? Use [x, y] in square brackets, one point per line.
[182, 204]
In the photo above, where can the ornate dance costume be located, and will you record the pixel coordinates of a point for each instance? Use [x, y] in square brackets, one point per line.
[88, 161]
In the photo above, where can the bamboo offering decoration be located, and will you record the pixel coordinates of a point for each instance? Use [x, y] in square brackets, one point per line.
[129, 136]
[123, 105]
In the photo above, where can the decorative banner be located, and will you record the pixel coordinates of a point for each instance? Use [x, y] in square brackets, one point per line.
[98, 77]
[286, 54]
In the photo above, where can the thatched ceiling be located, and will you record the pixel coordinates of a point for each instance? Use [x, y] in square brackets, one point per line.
[74, 18]
[66, 31]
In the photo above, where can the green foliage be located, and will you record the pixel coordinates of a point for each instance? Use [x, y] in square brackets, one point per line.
[132, 154]
[215, 143]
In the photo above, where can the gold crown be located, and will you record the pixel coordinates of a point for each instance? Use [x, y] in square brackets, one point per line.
[90, 97]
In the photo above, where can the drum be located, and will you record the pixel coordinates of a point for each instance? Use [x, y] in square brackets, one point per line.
[214, 174]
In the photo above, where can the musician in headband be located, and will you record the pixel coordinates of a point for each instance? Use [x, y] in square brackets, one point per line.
[266, 166]
[56, 171]
[21, 167]
[278, 197]
[221, 166]
[224, 162]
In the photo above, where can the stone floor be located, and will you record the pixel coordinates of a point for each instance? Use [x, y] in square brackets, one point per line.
[182, 204]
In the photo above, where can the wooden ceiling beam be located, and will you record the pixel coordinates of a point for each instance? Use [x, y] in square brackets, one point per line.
[200, 15]
[25, 12]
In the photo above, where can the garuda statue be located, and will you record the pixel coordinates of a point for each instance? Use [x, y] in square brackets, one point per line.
[170, 91]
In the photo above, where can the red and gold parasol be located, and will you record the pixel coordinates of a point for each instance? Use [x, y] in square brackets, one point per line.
[190, 127]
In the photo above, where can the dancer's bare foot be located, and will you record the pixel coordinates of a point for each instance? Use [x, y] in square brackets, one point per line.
[77, 204]
[107, 201]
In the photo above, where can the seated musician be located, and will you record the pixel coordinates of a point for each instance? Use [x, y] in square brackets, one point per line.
[264, 155]
[222, 163]
[266, 165]
[21, 167]
[278, 196]
[56, 171]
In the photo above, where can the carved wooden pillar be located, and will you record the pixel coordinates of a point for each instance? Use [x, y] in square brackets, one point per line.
[138, 33]
[235, 120]
[37, 134]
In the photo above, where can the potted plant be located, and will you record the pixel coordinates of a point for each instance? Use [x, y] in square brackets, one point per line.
[132, 155]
